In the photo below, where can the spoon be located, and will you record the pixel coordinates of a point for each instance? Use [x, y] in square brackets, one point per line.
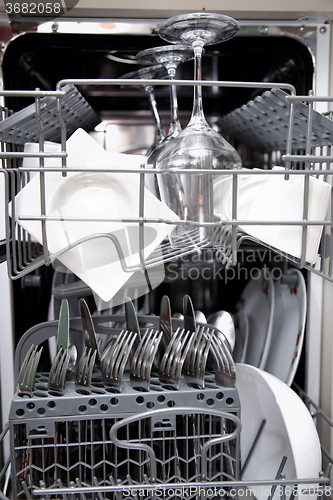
[178, 316]
[223, 321]
[72, 351]
[200, 317]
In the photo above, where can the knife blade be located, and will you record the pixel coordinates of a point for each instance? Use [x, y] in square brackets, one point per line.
[132, 323]
[88, 328]
[165, 326]
[165, 319]
[63, 326]
[189, 316]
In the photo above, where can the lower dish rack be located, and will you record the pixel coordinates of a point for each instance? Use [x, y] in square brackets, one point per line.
[102, 444]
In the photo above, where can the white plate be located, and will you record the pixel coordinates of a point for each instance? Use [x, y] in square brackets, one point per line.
[257, 302]
[95, 195]
[242, 337]
[288, 328]
[289, 431]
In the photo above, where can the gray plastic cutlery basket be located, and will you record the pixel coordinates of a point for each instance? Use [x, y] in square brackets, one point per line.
[89, 445]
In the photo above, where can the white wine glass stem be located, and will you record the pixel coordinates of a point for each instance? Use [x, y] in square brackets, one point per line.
[159, 134]
[174, 125]
[197, 112]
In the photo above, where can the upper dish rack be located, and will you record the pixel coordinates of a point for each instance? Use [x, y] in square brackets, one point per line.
[277, 121]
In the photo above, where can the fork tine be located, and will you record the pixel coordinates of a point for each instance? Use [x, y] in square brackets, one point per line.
[107, 353]
[202, 348]
[144, 358]
[144, 350]
[225, 372]
[61, 371]
[196, 370]
[116, 358]
[166, 355]
[57, 375]
[23, 368]
[178, 361]
[192, 353]
[85, 368]
[176, 347]
[149, 353]
[217, 355]
[36, 361]
[123, 353]
[202, 368]
[26, 378]
[90, 367]
[175, 356]
[55, 364]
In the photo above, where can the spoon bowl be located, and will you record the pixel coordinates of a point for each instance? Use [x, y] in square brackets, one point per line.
[72, 351]
[200, 317]
[223, 321]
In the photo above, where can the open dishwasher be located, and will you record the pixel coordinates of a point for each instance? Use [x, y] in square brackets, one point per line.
[168, 435]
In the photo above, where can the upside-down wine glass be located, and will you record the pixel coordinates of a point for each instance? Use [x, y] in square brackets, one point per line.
[170, 56]
[198, 146]
[148, 73]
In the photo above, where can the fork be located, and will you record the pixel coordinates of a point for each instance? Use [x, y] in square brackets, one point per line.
[174, 357]
[57, 375]
[84, 371]
[143, 359]
[225, 371]
[196, 359]
[114, 359]
[26, 378]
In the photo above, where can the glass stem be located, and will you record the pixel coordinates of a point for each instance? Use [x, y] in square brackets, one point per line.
[159, 135]
[197, 111]
[174, 125]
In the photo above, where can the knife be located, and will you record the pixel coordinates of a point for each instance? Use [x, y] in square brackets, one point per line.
[189, 316]
[132, 323]
[165, 326]
[165, 320]
[88, 328]
[63, 326]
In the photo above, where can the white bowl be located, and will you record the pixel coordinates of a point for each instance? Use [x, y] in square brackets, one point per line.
[289, 431]
[277, 199]
[223, 185]
[33, 147]
[89, 196]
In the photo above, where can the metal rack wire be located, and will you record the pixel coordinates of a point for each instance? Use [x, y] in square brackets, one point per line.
[25, 255]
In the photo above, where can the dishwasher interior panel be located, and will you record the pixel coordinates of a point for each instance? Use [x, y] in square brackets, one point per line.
[274, 58]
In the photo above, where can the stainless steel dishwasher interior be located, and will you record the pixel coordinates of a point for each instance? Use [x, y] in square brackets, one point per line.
[41, 60]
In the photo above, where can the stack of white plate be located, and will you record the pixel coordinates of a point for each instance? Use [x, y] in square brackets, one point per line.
[288, 431]
[270, 321]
